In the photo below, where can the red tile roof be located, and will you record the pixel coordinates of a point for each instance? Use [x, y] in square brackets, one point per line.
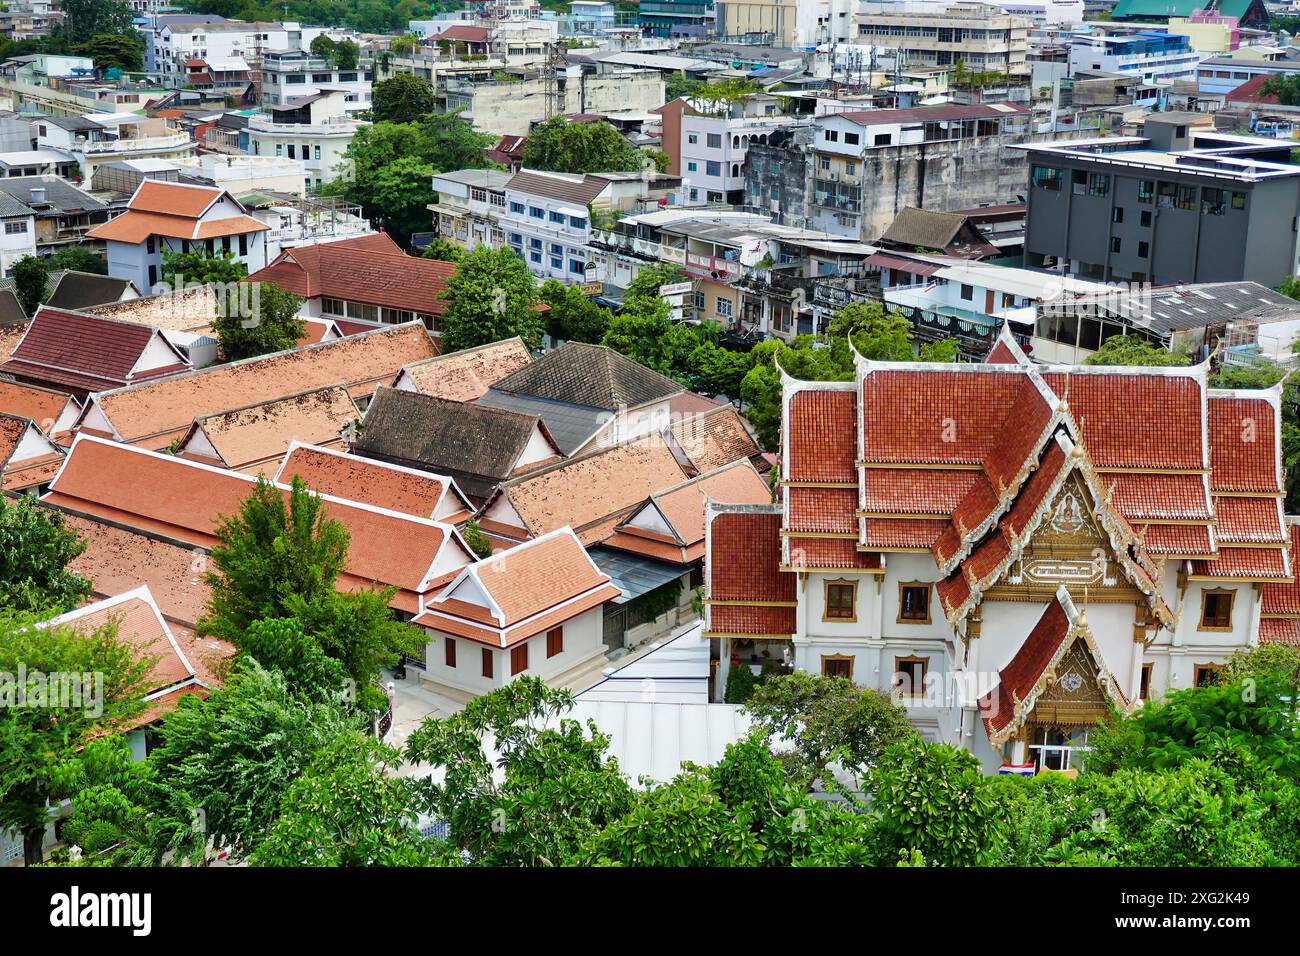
[1245, 564]
[185, 501]
[518, 593]
[747, 592]
[358, 272]
[156, 413]
[334, 472]
[89, 353]
[175, 210]
[1243, 452]
[819, 435]
[466, 375]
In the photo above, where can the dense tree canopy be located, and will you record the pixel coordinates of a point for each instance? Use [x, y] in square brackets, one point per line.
[492, 296]
[403, 99]
[566, 147]
[36, 548]
[271, 324]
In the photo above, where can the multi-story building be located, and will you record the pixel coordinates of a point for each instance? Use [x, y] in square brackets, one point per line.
[1148, 55]
[289, 75]
[315, 130]
[1009, 550]
[547, 219]
[708, 149]
[675, 18]
[1177, 204]
[93, 139]
[940, 33]
[176, 43]
[802, 24]
[868, 165]
[468, 206]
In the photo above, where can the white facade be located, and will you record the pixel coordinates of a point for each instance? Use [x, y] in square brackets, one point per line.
[550, 234]
[173, 45]
[713, 152]
[1115, 55]
[291, 75]
[17, 240]
[320, 147]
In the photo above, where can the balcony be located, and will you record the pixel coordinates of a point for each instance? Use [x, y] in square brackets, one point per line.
[143, 144]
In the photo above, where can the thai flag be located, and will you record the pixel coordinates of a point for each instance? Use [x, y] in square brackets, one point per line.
[1019, 769]
[930, 286]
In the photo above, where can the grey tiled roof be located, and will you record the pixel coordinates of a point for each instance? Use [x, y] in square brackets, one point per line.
[590, 375]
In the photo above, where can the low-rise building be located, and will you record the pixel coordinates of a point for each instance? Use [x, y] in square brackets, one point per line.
[290, 75]
[468, 205]
[316, 130]
[981, 36]
[178, 217]
[62, 213]
[1149, 55]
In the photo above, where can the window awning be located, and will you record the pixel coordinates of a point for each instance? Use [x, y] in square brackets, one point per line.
[903, 265]
[633, 574]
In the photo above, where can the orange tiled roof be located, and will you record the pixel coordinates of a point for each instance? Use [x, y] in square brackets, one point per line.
[1249, 521]
[715, 438]
[406, 490]
[156, 413]
[821, 510]
[1279, 630]
[135, 227]
[1284, 598]
[185, 501]
[1242, 450]
[681, 510]
[517, 593]
[44, 406]
[249, 438]
[1246, 564]
[466, 375]
[820, 435]
[356, 270]
[747, 592]
[592, 492]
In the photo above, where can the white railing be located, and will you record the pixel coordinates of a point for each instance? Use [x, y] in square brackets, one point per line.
[135, 145]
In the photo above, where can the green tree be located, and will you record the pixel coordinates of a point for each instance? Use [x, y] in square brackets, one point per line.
[1133, 350]
[573, 316]
[39, 737]
[824, 721]
[31, 276]
[491, 297]
[876, 334]
[272, 551]
[83, 20]
[323, 47]
[79, 259]
[647, 282]
[565, 147]
[478, 542]
[283, 644]
[36, 548]
[677, 85]
[346, 810]
[237, 753]
[402, 99]
[549, 791]
[402, 192]
[108, 50]
[198, 266]
[444, 250]
[933, 798]
[273, 327]
[346, 55]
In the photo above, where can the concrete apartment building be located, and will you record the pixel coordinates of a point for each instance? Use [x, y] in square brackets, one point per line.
[1148, 56]
[801, 24]
[708, 150]
[849, 174]
[172, 44]
[289, 75]
[936, 33]
[315, 130]
[1175, 205]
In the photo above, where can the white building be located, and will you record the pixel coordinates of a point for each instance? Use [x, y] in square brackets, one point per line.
[1033, 545]
[19, 236]
[175, 217]
[176, 43]
[713, 152]
[1146, 56]
[315, 130]
[534, 609]
[290, 75]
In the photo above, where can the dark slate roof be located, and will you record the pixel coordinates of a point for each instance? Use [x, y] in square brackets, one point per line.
[75, 124]
[477, 446]
[924, 227]
[570, 425]
[11, 313]
[81, 290]
[59, 193]
[12, 207]
[590, 375]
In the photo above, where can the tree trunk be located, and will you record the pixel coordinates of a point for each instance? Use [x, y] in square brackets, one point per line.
[33, 841]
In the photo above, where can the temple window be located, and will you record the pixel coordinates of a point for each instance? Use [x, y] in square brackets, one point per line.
[914, 603]
[909, 675]
[837, 665]
[841, 601]
[1216, 610]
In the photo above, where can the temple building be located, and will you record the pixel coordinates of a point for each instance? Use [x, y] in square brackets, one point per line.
[1010, 549]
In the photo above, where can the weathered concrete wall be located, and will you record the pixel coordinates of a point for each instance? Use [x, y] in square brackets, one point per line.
[511, 109]
[944, 176]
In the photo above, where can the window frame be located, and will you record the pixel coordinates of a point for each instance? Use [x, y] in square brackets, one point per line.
[486, 664]
[1200, 669]
[903, 587]
[449, 652]
[918, 690]
[852, 616]
[518, 659]
[837, 658]
[1208, 593]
